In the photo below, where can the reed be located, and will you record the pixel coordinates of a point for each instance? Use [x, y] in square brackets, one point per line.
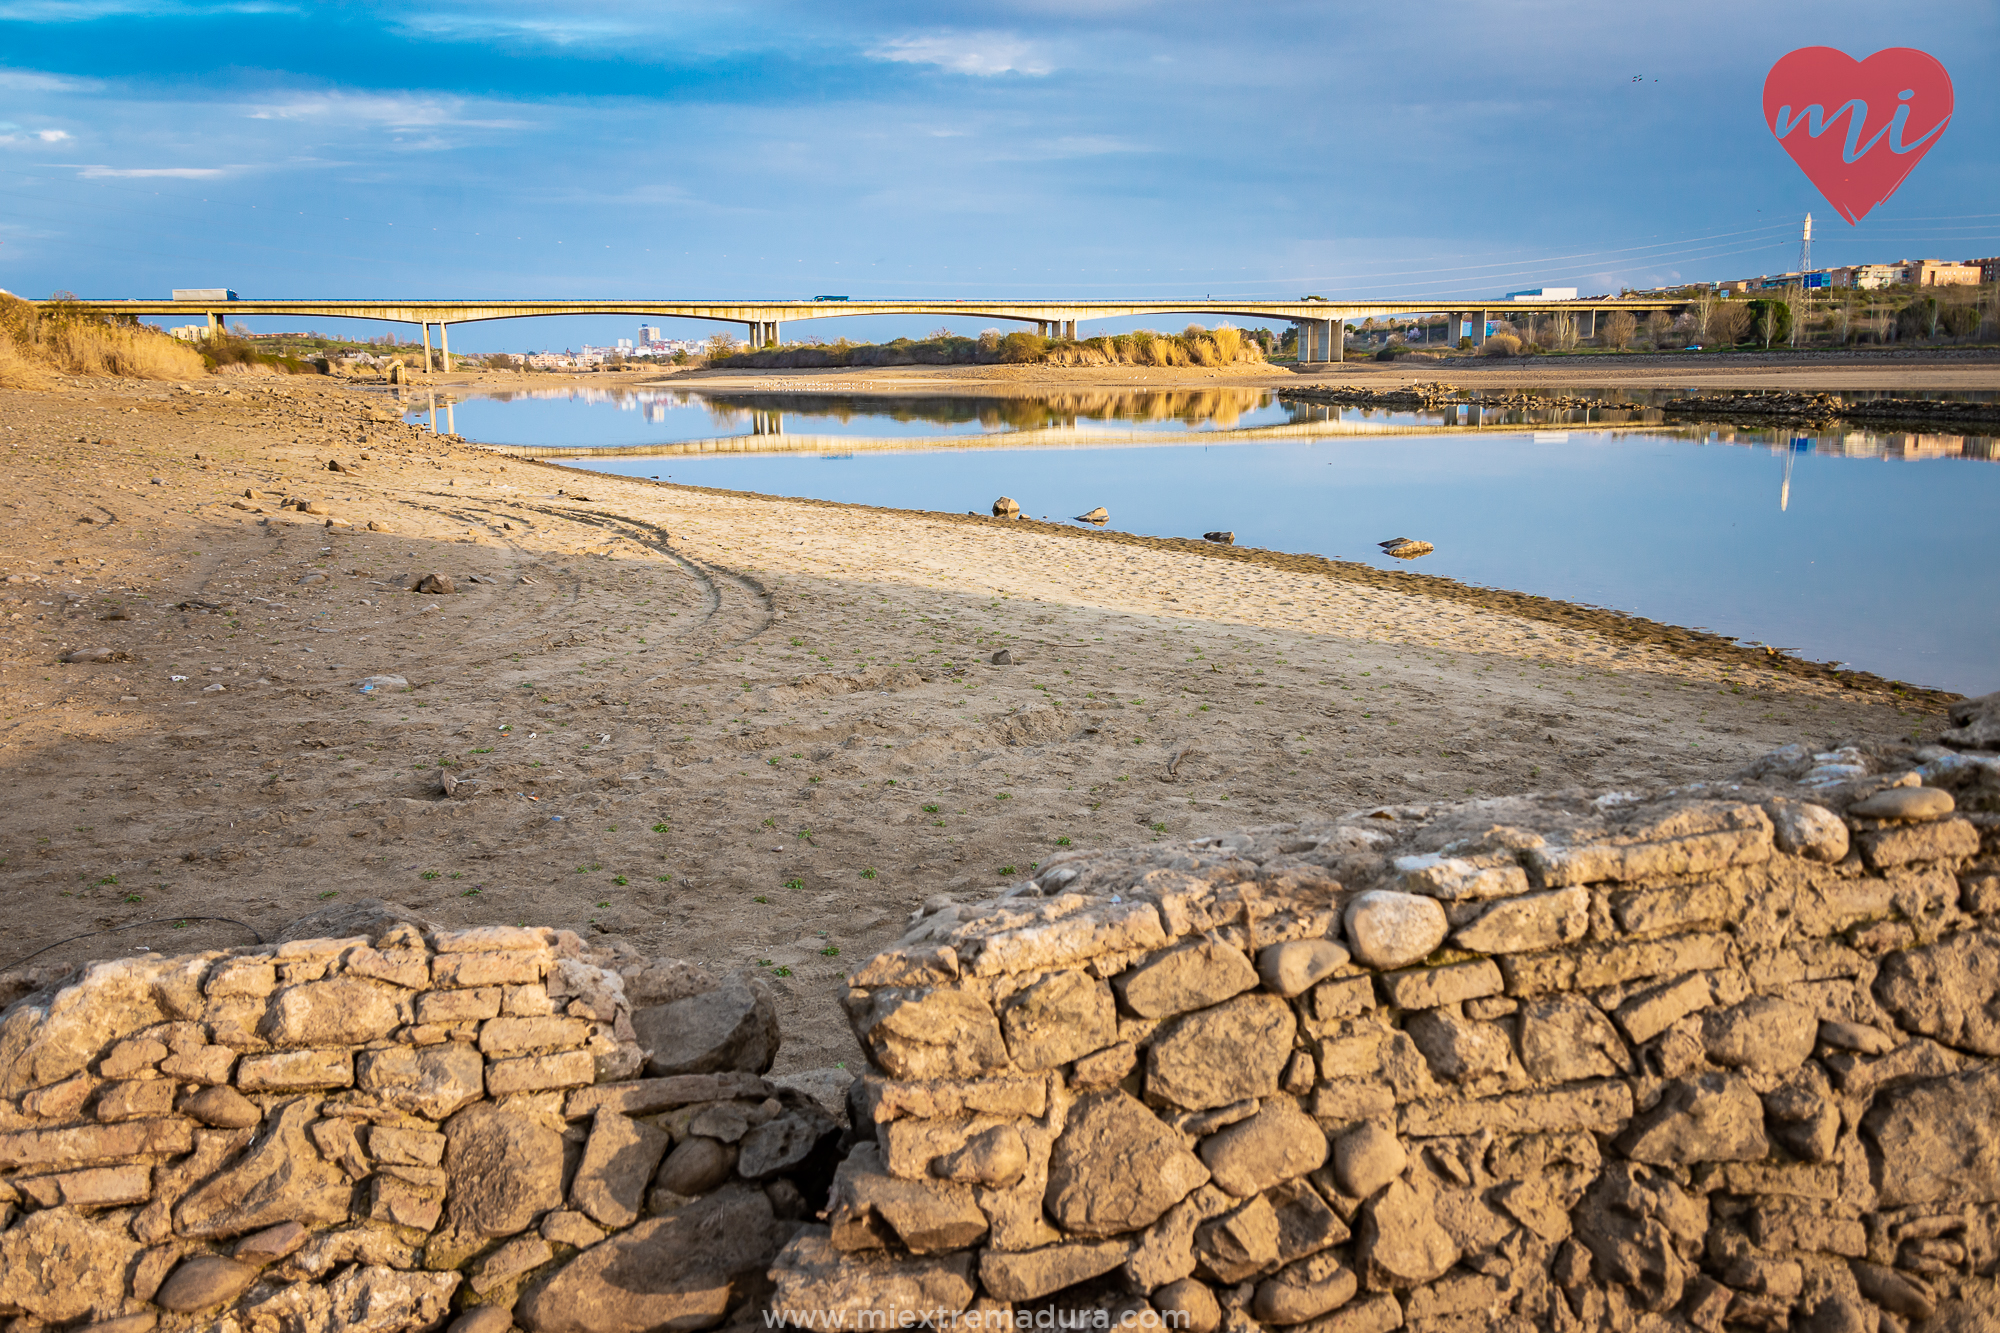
[57, 338]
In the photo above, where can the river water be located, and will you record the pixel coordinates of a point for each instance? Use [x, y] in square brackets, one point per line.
[1873, 549]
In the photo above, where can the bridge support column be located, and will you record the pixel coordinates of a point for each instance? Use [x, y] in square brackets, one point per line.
[1069, 330]
[444, 352]
[1303, 345]
[427, 362]
[774, 333]
[1336, 337]
[1590, 330]
[214, 325]
[1479, 328]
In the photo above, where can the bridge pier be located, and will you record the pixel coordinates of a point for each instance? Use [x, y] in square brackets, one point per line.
[774, 331]
[427, 362]
[1479, 318]
[214, 325]
[1336, 337]
[444, 352]
[1069, 330]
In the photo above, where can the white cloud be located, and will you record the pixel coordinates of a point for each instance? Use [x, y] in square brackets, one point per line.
[391, 112]
[52, 136]
[176, 173]
[982, 54]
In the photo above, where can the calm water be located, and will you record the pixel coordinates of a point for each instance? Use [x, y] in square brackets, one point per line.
[1873, 549]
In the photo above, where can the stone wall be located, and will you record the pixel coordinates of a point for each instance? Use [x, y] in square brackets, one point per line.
[397, 1130]
[1718, 1056]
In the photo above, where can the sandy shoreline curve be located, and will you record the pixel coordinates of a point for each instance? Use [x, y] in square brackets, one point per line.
[754, 732]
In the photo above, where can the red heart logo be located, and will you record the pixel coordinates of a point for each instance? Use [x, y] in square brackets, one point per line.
[1857, 127]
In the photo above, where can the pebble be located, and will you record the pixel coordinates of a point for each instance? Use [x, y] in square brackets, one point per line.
[369, 684]
[204, 1282]
[1388, 930]
[1905, 803]
[1002, 658]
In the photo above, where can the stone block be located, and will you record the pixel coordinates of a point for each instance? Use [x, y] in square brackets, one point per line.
[345, 1011]
[462, 970]
[1067, 941]
[1059, 1018]
[1221, 1055]
[856, 1290]
[1461, 878]
[1651, 1012]
[459, 1006]
[619, 1159]
[1602, 1108]
[1939, 1140]
[681, 1271]
[539, 1073]
[1031, 1274]
[240, 978]
[935, 1034]
[1906, 844]
[1699, 838]
[1649, 912]
[295, 1071]
[1117, 1168]
[92, 1187]
[137, 1099]
[1279, 1143]
[1788, 1230]
[1707, 1118]
[1567, 1039]
[200, 1064]
[431, 1082]
[1430, 987]
[1528, 923]
[1296, 966]
[1621, 963]
[520, 1036]
[521, 1255]
[1193, 976]
[870, 1209]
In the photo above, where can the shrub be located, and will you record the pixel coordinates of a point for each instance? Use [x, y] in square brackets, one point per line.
[1501, 344]
[1960, 321]
[1619, 328]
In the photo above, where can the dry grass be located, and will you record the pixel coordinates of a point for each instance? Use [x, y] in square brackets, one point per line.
[36, 340]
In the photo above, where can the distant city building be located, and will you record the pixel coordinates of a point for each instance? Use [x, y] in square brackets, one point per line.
[1544, 294]
[624, 344]
[1939, 273]
[649, 333]
[192, 333]
[1989, 269]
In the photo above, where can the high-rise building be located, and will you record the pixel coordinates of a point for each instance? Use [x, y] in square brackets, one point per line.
[648, 333]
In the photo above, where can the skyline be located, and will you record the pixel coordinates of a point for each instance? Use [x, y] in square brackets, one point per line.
[779, 151]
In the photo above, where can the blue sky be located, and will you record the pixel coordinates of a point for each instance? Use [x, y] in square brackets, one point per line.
[882, 148]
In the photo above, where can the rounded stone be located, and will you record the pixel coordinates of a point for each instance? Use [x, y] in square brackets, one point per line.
[1388, 930]
[1189, 1305]
[1367, 1158]
[696, 1166]
[1905, 803]
[1296, 966]
[203, 1283]
[484, 1319]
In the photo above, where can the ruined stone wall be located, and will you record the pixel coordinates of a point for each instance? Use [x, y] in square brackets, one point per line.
[397, 1130]
[1720, 1056]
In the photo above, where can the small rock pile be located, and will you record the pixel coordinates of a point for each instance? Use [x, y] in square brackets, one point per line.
[1720, 1056]
[397, 1130]
[1822, 408]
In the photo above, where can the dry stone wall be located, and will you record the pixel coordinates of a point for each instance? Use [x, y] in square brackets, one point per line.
[1719, 1057]
[397, 1129]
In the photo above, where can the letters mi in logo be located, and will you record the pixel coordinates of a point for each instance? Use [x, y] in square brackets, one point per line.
[1857, 127]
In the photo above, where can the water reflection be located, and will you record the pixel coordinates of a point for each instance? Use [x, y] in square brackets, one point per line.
[559, 422]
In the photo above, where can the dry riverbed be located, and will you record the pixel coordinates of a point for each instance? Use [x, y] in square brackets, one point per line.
[750, 732]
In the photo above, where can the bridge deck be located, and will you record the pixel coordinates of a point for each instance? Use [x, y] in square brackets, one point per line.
[752, 312]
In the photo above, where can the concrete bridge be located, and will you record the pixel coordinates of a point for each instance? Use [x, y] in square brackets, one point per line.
[1321, 323]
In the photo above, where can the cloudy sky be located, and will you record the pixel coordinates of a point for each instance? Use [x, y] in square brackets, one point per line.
[1043, 147]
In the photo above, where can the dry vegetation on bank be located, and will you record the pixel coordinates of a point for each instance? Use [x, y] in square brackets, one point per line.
[37, 341]
[1194, 346]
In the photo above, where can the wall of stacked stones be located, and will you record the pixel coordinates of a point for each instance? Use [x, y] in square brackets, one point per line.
[397, 1130]
[1724, 1057]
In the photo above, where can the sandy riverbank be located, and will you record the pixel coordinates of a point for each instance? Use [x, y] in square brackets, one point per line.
[748, 731]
